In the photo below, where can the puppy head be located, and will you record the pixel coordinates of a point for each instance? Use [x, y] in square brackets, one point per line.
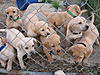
[76, 27]
[53, 43]
[59, 72]
[44, 29]
[75, 9]
[78, 52]
[78, 24]
[12, 12]
[28, 47]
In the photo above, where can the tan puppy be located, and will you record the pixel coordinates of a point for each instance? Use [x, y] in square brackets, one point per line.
[84, 46]
[24, 45]
[59, 18]
[76, 27]
[38, 28]
[31, 18]
[6, 53]
[51, 45]
[13, 17]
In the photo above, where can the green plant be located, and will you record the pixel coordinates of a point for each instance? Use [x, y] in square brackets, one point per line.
[56, 4]
[49, 1]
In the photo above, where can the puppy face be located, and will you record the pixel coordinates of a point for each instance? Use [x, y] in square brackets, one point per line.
[78, 24]
[44, 29]
[76, 27]
[53, 43]
[12, 12]
[75, 9]
[78, 52]
[29, 45]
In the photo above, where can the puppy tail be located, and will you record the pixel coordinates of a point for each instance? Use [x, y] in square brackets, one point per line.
[44, 12]
[83, 11]
[92, 21]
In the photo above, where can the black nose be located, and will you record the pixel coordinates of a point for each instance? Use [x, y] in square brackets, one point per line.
[87, 27]
[48, 33]
[76, 63]
[10, 16]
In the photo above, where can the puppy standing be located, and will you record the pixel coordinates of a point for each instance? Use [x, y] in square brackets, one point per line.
[84, 46]
[6, 53]
[51, 45]
[13, 19]
[24, 45]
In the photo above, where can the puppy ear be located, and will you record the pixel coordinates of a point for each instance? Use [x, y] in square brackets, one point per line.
[77, 9]
[34, 40]
[3, 40]
[18, 12]
[46, 44]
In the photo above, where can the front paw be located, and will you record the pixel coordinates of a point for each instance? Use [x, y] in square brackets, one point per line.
[23, 67]
[9, 69]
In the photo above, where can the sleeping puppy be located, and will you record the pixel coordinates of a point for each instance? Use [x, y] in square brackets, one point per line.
[24, 45]
[56, 19]
[83, 48]
[38, 28]
[7, 54]
[13, 19]
[51, 45]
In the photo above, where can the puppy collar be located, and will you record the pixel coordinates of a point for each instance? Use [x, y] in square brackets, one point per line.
[71, 13]
[2, 47]
[16, 19]
[82, 44]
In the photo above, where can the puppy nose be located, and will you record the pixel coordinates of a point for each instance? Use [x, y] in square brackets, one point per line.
[76, 63]
[87, 27]
[48, 33]
[10, 16]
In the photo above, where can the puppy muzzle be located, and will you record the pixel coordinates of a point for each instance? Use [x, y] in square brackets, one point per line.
[86, 28]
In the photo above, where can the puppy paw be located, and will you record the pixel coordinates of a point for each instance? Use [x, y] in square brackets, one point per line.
[23, 67]
[9, 69]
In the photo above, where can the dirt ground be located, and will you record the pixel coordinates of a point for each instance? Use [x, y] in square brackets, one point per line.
[38, 63]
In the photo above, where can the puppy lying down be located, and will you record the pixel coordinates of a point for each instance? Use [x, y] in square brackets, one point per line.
[83, 47]
[7, 54]
[24, 45]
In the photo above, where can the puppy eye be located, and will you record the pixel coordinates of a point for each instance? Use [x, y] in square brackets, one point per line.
[80, 23]
[32, 45]
[26, 47]
[53, 45]
[13, 11]
[42, 29]
[7, 12]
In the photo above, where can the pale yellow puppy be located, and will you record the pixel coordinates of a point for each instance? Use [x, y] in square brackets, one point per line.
[13, 19]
